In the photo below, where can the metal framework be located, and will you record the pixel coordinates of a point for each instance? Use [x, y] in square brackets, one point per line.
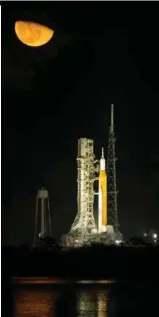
[111, 174]
[42, 216]
[84, 222]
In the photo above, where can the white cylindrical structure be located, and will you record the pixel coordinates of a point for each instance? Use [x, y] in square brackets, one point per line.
[99, 210]
[42, 193]
[102, 161]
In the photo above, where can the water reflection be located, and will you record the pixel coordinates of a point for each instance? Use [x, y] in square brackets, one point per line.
[75, 301]
[92, 303]
[49, 303]
[36, 303]
[102, 304]
[96, 282]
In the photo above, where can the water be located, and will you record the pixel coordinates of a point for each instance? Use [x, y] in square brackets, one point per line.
[91, 300]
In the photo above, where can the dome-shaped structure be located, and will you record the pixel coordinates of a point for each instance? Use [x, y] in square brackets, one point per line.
[42, 193]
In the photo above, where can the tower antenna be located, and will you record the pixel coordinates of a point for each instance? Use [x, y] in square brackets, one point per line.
[112, 118]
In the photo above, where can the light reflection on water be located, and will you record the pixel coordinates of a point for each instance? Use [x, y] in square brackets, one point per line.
[96, 282]
[81, 301]
[92, 304]
[35, 303]
[45, 303]
[52, 281]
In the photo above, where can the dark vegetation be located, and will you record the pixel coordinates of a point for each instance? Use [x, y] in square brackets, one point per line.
[95, 262]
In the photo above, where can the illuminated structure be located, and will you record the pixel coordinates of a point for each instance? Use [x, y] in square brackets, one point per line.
[42, 216]
[108, 227]
[111, 173]
[102, 196]
[83, 229]
[84, 222]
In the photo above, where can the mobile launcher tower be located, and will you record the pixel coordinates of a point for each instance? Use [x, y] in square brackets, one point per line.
[84, 225]
[84, 222]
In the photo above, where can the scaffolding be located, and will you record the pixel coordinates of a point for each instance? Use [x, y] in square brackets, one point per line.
[111, 173]
[84, 223]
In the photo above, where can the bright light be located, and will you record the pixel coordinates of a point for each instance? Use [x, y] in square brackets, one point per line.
[96, 282]
[94, 230]
[103, 229]
[155, 235]
[118, 242]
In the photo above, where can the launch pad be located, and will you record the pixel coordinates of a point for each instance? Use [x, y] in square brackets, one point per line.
[107, 237]
[84, 230]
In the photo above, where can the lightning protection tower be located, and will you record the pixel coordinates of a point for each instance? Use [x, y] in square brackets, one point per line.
[84, 222]
[111, 174]
[42, 216]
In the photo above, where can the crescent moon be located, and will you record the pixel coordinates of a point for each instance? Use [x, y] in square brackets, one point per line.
[33, 34]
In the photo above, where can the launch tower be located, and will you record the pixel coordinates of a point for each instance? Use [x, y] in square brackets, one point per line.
[111, 173]
[42, 216]
[83, 229]
[84, 222]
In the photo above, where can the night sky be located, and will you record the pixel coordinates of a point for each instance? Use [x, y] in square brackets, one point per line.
[102, 53]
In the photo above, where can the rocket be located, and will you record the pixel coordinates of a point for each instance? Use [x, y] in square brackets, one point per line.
[102, 196]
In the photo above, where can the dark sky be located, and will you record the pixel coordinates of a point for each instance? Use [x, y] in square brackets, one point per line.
[101, 53]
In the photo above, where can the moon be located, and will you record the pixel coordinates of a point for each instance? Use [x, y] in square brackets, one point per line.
[33, 34]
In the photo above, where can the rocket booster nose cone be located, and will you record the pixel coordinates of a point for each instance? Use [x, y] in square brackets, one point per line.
[102, 164]
[102, 161]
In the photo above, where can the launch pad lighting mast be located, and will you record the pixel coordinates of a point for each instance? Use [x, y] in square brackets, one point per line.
[111, 174]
